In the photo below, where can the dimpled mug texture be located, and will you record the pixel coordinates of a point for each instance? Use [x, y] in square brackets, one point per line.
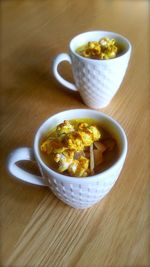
[82, 192]
[81, 195]
[98, 85]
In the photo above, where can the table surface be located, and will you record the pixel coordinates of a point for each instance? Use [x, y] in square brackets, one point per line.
[37, 229]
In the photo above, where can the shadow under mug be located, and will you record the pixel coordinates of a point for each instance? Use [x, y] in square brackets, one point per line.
[77, 192]
[97, 81]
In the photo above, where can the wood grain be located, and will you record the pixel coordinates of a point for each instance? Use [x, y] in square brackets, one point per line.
[36, 228]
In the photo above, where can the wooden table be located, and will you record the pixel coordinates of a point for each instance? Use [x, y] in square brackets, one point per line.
[36, 228]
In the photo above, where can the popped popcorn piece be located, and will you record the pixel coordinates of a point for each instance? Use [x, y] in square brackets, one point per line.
[46, 147]
[64, 159]
[68, 147]
[74, 141]
[79, 168]
[95, 132]
[105, 48]
[89, 133]
[64, 128]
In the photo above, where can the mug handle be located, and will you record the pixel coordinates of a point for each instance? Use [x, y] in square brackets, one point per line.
[20, 154]
[58, 59]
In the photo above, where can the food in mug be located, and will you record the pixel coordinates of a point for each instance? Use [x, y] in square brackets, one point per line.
[79, 148]
[105, 48]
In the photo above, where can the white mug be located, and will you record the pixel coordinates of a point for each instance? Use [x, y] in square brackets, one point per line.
[97, 81]
[76, 192]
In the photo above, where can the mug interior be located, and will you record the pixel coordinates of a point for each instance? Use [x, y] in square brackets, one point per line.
[106, 121]
[86, 37]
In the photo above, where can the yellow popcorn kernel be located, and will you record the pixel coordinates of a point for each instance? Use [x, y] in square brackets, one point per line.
[86, 53]
[74, 141]
[104, 42]
[94, 48]
[65, 127]
[95, 133]
[79, 167]
[46, 147]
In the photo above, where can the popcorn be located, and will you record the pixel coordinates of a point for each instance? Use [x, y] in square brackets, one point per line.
[67, 147]
[105, 48]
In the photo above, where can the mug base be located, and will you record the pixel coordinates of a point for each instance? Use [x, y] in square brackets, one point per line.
[100, 106]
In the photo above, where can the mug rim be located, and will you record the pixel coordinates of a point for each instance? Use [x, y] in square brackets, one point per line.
[102, 174]
[100, 32]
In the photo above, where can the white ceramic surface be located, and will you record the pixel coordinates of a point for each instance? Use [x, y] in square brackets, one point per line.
[96, 80]
[76, 192]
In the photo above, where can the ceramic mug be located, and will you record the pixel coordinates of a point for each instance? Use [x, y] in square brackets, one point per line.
[74, 191]
[97, 81]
